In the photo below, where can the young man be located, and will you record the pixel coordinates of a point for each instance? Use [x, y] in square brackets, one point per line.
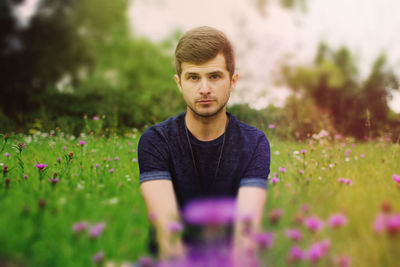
[204, 152]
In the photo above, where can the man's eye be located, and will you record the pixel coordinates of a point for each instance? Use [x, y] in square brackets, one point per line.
[214, 76]
[193, 78]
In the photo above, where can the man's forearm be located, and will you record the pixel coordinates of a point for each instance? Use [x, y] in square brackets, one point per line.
[163, 211]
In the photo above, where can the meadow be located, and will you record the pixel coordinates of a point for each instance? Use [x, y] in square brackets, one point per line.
[68, 201]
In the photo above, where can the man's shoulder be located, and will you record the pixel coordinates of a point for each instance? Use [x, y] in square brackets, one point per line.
[166, 128]
[245, 128]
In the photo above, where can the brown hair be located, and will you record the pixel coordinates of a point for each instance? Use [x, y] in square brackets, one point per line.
[202, 44]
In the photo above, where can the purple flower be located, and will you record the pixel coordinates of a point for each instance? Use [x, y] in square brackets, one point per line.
[296, 254]
[396, 178]
[111, 170]
[96, 230]
[264, 240]
[210, 211]
[393, 224]
[293, 234]
[7, 155]
[348, 181]
[344, 261]
[59, 160]
[274, 180]
[348, 152]
[96, 165]
[40, 166]
[337, 220]
[95, 118]
[82, 143]
[146, 262]
[380, 223]
[116, 158]
[271, 126]
[301, 172]
[313, 223]
[54, 181]
[175, 227]
[98, 257]
[303, 151]
[79, 227]
[282, 169]
[318, 250]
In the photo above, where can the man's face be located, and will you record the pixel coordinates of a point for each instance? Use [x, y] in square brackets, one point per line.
[206, 88]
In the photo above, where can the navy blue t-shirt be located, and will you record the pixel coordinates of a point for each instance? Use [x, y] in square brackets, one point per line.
[164, 153]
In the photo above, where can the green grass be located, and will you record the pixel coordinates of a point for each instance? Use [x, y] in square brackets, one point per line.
[42, 236]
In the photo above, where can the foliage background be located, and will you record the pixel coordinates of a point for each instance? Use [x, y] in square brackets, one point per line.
[79, 58]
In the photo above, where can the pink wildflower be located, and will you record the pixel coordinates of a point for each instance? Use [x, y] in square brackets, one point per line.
[301, 172]
[7, 155]
[380, 223]
[59, 160]
[274, 180]
[348, 152]
[348, 181]
[313, 223]
[82, 143]
[303, 151]
[175, 227]
[98, 257]
[393, 224]
[111, 170]
[264, 240]
[96, 165]
[40, 166]
[96, 230]
[337, 220]
[362, 156]
[95, 118]
[116, 158]
[54, 181]
[282, 169]
[80, 226]
[271, 126]
[343, 261]
[293, 234]
[296, 254]
[396, 178]
[275, 215]
[318, 250]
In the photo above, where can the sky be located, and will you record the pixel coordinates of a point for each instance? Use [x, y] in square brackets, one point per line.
[366, 27]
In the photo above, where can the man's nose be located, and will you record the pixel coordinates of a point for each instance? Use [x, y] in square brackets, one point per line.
[204, 87]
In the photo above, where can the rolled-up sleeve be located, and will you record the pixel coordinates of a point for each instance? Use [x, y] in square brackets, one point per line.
[153, 157]
[259, 167]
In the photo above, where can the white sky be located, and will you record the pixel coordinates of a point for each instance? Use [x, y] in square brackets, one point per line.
[366, 27]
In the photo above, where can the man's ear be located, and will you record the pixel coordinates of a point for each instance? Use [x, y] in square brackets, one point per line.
[178, 82]
[235, 78]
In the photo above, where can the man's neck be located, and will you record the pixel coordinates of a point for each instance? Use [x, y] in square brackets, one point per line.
[206, 128]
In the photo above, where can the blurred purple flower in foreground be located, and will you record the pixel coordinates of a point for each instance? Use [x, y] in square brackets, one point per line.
[82, 143]
[98, 257]
[318, 250]
[210, 211]
[282, 169]
[337, 220]
[40, 166]
[80, 226]
[274, 180]
[264, 240]
[293, 234]
[313, 223]
[296, 254]
[396, 178]
[96, 230]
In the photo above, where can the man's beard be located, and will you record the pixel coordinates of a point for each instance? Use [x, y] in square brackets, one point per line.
[211, 114]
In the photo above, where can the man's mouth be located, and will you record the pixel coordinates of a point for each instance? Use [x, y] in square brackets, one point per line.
[205, 101]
